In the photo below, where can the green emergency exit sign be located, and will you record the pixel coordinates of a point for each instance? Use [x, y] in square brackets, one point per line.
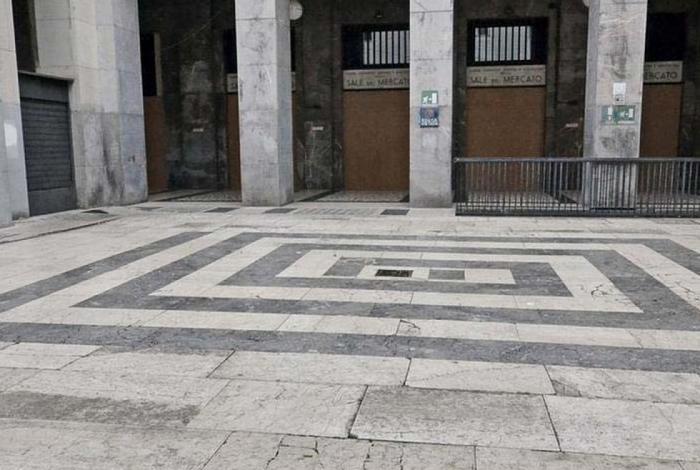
[429, 98]
[619, 114]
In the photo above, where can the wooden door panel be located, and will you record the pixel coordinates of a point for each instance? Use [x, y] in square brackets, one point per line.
[156, 144]
[506, 123]
[376, 140]
[661, 120]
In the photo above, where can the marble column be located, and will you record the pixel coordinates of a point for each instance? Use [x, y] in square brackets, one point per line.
[432, 30]
[614, 85]
[12, 153]
[265, 101]
[97, 46]
[5, 208]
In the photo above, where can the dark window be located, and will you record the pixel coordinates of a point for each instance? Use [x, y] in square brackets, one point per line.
[25, 35]
[230, 58]
[376, 47]
[666, 37]
[517, 42]
[149, 65]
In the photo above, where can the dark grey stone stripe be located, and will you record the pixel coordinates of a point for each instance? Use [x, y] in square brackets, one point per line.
[531, 278]
[22, 295]
[189, 340]
[644, 290]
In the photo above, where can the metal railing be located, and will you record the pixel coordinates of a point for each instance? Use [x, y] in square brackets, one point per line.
[649, 187]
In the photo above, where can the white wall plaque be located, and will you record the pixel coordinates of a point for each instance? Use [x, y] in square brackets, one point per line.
[663, 72]
[507, 76]
[379, 79]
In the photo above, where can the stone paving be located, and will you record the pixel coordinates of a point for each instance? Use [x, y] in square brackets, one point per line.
[337, 336]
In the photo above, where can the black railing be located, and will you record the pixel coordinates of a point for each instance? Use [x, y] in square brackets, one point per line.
[650, 187]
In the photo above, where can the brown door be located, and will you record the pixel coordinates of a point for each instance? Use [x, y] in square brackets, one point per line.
[156, 144]
[233, 143]
[506, 123]
[376, 140]
[661, 120]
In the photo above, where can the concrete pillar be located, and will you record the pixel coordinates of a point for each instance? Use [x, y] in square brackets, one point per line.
[265, 101]
[11, 118]
[614, 85]
[5, 208]
[432, 30]
[96, 44]
[615, 75]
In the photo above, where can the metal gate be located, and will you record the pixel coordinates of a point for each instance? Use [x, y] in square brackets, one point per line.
[47, 144]
[665, 187]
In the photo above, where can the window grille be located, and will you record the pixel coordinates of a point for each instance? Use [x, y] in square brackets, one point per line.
[508, 43]
[367, 47]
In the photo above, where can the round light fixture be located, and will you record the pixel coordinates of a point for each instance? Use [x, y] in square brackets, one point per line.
[296, 10]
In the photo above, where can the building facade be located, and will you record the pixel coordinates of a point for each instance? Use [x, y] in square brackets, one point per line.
[362, 95]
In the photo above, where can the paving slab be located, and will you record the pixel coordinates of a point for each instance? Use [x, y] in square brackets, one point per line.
[314, 368]
[634, 429]
[190, 365]
[34, 361]
[513, 459]
[50, 349]
[11, 377]
[133, 387]
[479, 376]
[35, 445]
[662, 387]
[108, 398]
[289, 408]
[454, 417]
[243, 451]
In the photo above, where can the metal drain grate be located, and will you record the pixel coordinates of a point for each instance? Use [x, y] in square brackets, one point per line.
[393, 273]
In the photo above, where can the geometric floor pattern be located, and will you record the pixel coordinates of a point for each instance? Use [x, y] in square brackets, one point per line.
[244, 338]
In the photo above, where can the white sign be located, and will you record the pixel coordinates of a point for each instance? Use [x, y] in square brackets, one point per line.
[507, 76]
[232, 82]
[663, 72]
[380, 79]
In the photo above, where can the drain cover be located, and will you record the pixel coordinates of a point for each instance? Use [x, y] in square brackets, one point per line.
[393, 273]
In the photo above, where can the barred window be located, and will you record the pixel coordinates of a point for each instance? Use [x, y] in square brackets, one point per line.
[385, 48]
[376, 46]
[508, 43]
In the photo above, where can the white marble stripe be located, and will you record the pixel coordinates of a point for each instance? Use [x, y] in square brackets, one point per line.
[99, 284]
[451, 329]
[683, 282]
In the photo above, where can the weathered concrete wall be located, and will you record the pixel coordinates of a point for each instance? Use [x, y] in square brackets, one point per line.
[193, 86]
[191, 33]
[97, 46]
[11, 117]
[316, 129]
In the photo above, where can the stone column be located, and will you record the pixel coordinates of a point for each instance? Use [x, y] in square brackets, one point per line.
[97, 46]
[432, 30]
[5, 208]
[12, 145]
[265, 101]
[614, 85]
